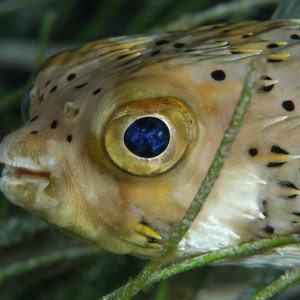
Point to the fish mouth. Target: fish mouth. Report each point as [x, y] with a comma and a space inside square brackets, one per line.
[25, 175]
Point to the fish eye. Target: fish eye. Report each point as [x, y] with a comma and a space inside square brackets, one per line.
[149, 136]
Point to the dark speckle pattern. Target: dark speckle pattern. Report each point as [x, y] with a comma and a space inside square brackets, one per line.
[81, 85]
[97, 91]
[155, 53]
[269, 87]
[295, 36]
[71, 77]
[268, 229]
[218, 75]
[53, 89]
[33, 119]
[272, 45]
[287, 184]
[275, 164]
[54, 124]
[288, 105]
[161, 42]
[253, 152]
[179, 45]
[278, 150]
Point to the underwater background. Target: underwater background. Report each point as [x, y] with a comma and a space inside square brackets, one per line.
[36, 261]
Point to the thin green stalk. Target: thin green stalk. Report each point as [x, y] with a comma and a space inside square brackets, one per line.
[153, 10]
[287, 9]
[104, 13]
[141, 280]
[37, 262]
[9, 6]
[45, 31]
[226, 253]
[18, 229]
[286, 280]
[11, 98]
[162, 291]
[217, 12]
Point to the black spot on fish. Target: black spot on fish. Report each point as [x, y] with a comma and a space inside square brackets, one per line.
[290, 185]
[268, 229]
[288, 105]
[54, 124]
[179, 45]
[97, 91]
[275, 164]
[253, 152]
[161, 42]
[81, 85]
[33, 119]
[218, 75]
[269, 87]
[287, 184]
[278, 150]
[71, 77]
[295, 36]
[155, 53]
[272, 45]
[53, 89]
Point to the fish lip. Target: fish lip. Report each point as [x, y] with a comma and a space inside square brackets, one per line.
[24, 172]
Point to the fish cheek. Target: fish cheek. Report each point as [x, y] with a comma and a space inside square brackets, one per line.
[31, 197]
[155, 198]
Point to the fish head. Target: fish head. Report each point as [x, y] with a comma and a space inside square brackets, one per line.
[110, 157]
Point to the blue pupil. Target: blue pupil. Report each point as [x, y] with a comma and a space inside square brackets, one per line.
[147, 137]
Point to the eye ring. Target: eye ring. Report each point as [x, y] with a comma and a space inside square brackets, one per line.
[168, 110]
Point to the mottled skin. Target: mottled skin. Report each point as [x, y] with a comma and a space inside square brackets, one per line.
[69, 165]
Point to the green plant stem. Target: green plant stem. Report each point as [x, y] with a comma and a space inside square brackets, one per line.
[230, 252]
[162, 291]
[11, 98]
[37, 262]
[18, 229]
[45, 31]
[286, 280]
[226, 253]
[248, 90]
[9, 6]
[217, 12]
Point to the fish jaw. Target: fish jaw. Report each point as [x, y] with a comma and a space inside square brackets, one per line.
[24, 179]
[39, 177]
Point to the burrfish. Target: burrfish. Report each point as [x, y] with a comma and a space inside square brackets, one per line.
[120, 133]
